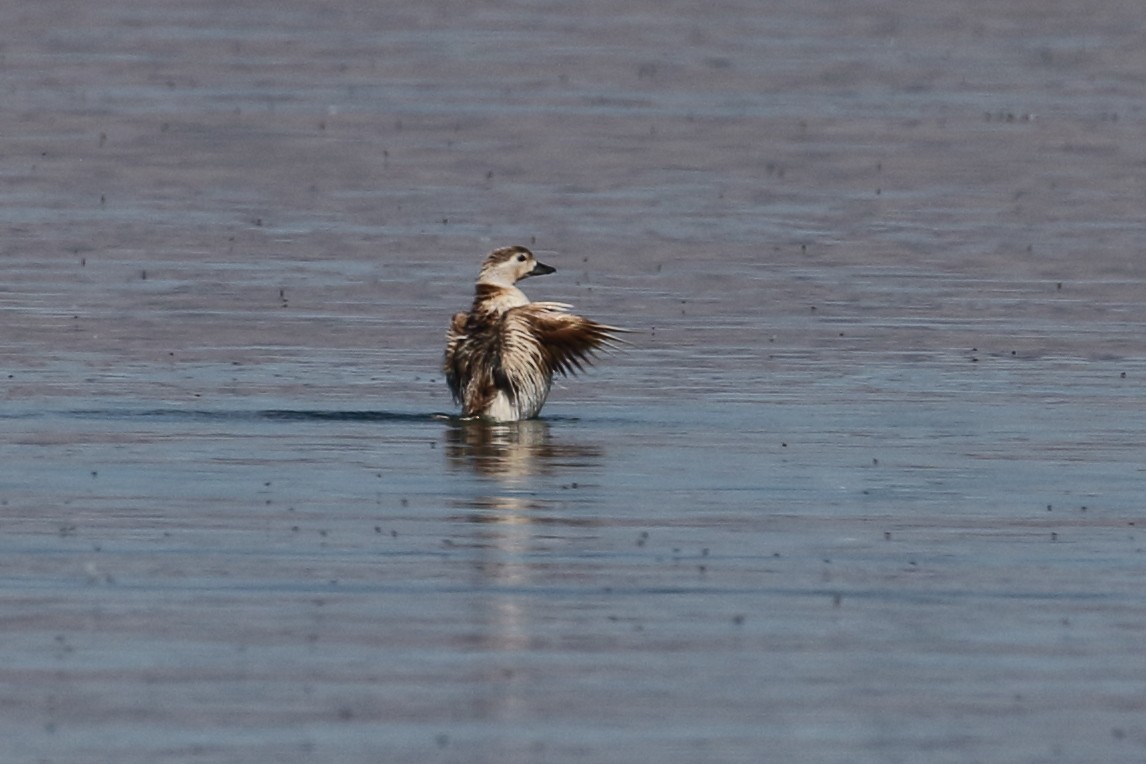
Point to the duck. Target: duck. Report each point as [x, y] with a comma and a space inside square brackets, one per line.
[501, 356]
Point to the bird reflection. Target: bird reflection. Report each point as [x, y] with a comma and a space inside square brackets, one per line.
[517, 532]
[515, 455]
[512, 452]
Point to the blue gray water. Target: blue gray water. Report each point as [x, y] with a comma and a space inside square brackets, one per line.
[867, 485]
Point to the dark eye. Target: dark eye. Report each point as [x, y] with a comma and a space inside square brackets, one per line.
[521, 258]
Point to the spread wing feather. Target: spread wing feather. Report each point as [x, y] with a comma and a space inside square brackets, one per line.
[517, 353]
[549, 338]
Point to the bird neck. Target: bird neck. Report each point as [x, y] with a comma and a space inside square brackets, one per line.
[497, 298]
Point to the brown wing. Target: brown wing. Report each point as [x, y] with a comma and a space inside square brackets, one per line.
[551, 339]
[451, 361]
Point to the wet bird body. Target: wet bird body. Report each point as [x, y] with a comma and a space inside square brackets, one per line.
[501, 356]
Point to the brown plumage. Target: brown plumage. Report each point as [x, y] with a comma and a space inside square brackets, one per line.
[501, 356]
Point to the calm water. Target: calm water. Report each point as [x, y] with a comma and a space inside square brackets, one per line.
[867, 486]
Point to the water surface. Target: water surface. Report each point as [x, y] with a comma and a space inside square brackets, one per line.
[866, 487]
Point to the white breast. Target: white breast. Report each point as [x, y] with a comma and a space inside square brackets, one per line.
[529, 404]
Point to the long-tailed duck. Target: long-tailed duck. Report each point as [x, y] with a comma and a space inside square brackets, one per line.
[501, 356]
